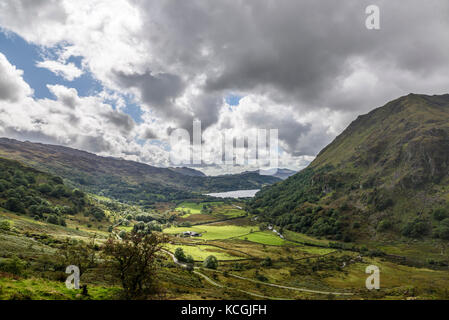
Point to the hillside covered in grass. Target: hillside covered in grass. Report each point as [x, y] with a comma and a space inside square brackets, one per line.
[43, 197]
[126, 181]
[385, 176]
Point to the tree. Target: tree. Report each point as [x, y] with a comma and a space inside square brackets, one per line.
[211, 262]
[133, 262]
[79, 254]
[180, 255]
[267, 262]
[14, 205]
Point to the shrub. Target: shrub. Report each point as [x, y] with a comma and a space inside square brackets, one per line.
[53, 219]
[211, 262]
[14, 266]
[267, 262]
[45, 188]
[5, 225]
[440, 214]
[416, 229]
[14, 205]
[384, 225]
[190, 259]
[180, 255]
[122, 234]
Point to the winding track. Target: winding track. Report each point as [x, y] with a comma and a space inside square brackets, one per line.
[184, 265]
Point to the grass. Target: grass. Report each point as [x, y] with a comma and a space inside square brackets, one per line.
[193, 208]
[264, 237]
[219, 210]
[42, 289]
[299, 237]
[200, 253]
[210, 232]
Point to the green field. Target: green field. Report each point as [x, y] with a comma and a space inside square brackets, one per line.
[40, 289]
[193, 208]
[210, 232]
[265, 237]
[200, 253]
[219, 210]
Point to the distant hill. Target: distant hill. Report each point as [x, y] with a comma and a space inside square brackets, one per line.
[44, 197]
[188, 172]
[385, 176]
[282, 173]
[120, 179]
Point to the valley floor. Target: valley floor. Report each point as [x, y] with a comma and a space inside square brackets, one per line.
[253, 263]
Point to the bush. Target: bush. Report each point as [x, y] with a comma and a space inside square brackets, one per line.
[122, 234]
[211, 262]
[440, 214]
[14, 205]
[442, 231]
[267, 262]
[384, 225]
[53, 219]
[5, 225]
[14, 266]
[190, 259]
[180, 255]
[45, 188]
[416, 229]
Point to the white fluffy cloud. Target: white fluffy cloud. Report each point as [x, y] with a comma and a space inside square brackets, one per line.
[68, 71]
[306, 68]
[12, 86]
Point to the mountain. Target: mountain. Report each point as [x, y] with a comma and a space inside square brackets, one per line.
[188, 171]
[282, 173]
[385, 176]
[44, 197]
[124, 180]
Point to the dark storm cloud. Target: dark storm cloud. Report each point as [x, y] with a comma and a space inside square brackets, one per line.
[297, 53]
[295, 50]
[92, 144]
[289, 130]
[157, 90]
[149, 134]
[120, 120]
[9, 91]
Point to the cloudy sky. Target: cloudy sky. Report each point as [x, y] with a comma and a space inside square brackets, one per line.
[116, 77]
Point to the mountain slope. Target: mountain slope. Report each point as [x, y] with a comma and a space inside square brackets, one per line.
[44, 197]
[188, 171]
[283, 173]
[386, 175]
[122, 179]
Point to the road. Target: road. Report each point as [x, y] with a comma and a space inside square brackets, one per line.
[184, 265]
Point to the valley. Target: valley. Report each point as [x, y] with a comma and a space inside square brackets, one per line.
[253, 261]
[376, 196]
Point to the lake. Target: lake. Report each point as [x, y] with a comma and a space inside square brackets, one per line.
[235, 194]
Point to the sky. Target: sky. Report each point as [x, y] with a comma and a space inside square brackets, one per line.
[117, 77]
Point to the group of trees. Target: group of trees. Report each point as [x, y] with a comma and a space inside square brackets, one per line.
[211, 262]
[45, 197]
[132, 262]
[182, 257]
[147, 228]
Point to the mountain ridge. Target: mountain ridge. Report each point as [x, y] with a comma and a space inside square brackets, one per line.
[122, 179]
[384, 176]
